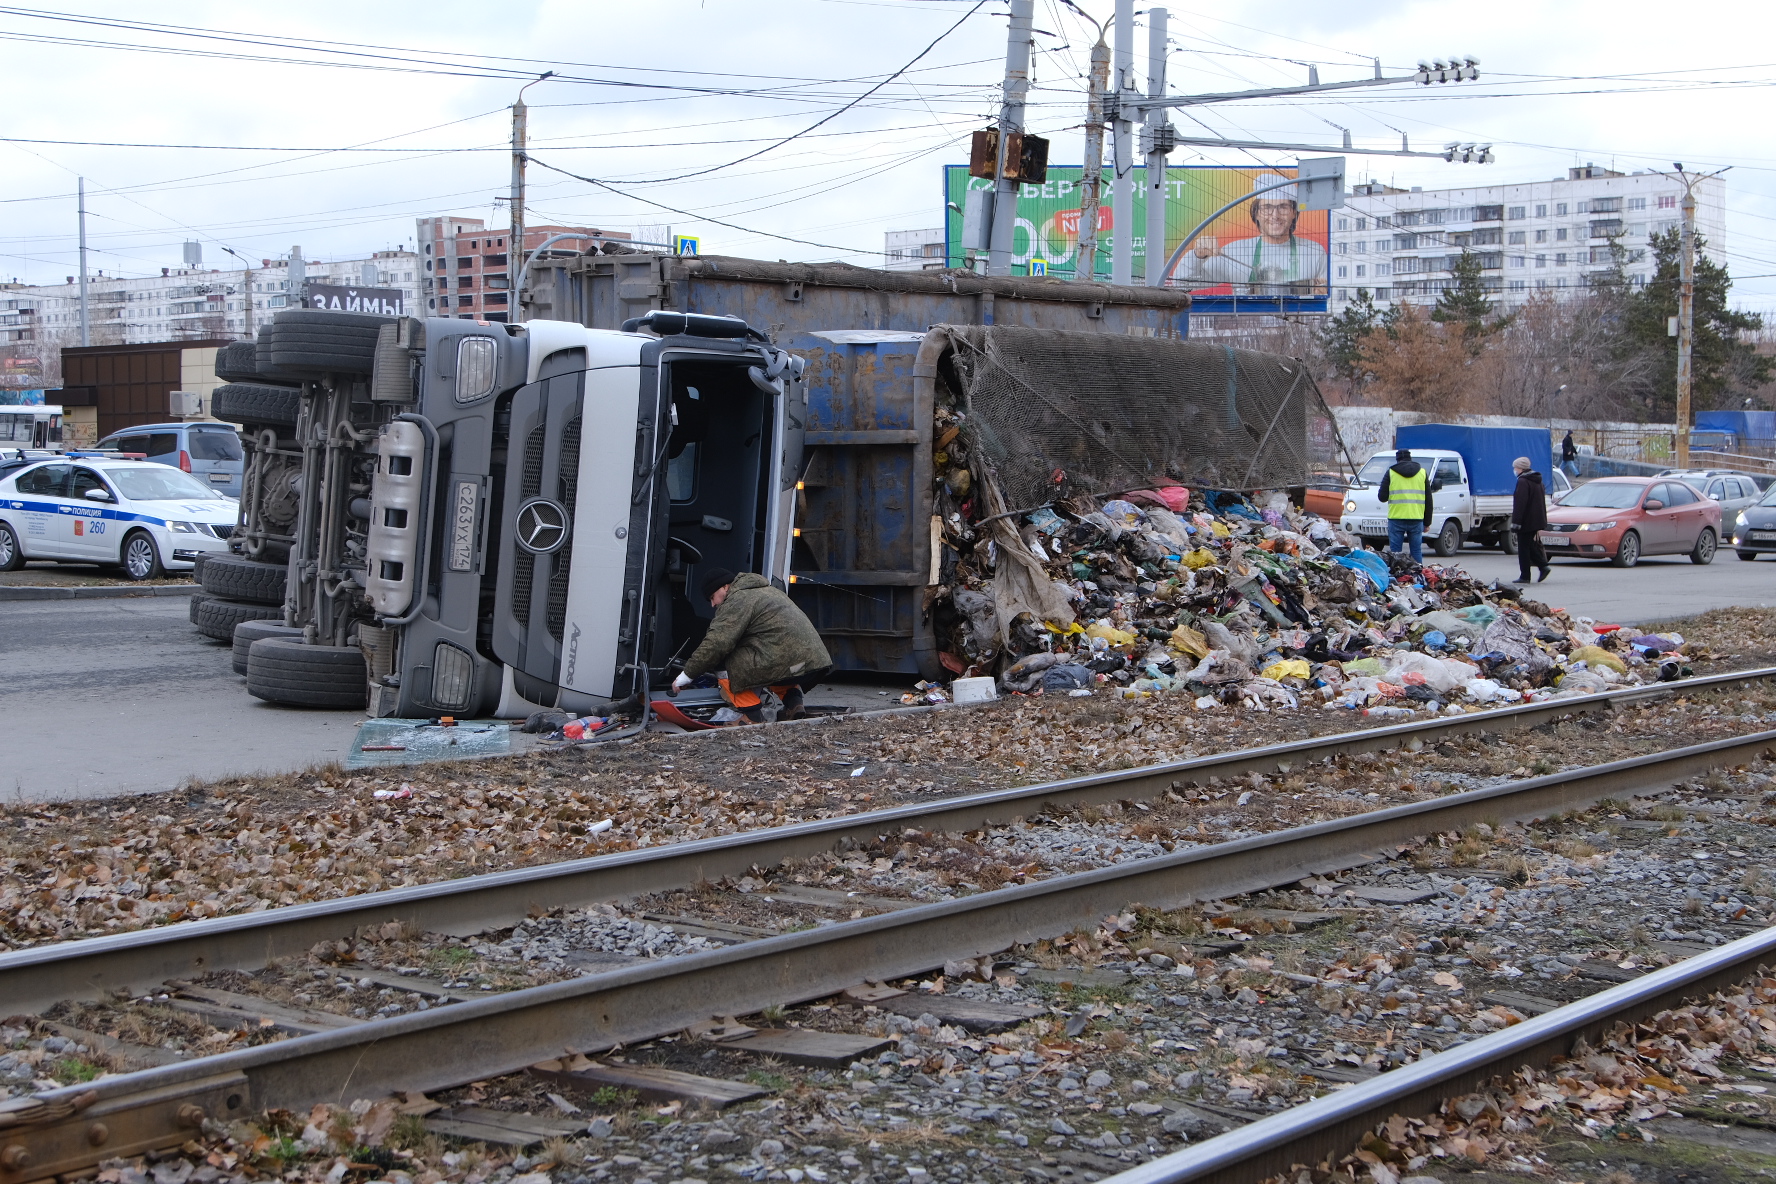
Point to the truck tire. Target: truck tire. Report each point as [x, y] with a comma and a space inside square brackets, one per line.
[1449, 539]
[263, 365]
[1507, 541]
[235, 578]
[238, 361]
[216, 618]
[247, 632]
[311, 339]
[256, 403]
[283, 670]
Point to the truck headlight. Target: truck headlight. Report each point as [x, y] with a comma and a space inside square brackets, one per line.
[1610, 525]
[474, 368]
[1350, 507]
[452, 671]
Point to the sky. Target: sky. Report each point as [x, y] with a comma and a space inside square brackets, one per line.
[257, 127]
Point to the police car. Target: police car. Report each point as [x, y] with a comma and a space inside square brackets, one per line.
[146, 518]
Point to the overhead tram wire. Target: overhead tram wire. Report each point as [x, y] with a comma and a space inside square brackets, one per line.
[319, 45]
[979, 4]
[699, 217]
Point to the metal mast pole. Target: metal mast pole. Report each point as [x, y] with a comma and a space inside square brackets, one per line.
[1686, 320]
[1011, 123]
[1092, 182]
[85, 317]
[1154, 134]
[1122, 194]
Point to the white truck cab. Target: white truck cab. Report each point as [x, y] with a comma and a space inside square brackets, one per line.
[1457, 514]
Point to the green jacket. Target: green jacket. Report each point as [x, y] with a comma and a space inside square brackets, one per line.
[759, 637]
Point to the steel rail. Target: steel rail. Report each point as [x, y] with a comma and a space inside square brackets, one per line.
[37, 977]
[1329, 1127]
[506, 1033]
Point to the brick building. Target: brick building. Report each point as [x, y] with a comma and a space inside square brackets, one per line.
[468, 270]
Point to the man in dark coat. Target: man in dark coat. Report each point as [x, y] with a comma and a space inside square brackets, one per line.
[1529, 517]
[1569, 455]
[762, 641]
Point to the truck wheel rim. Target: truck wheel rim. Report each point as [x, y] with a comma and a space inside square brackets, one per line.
[139, 558]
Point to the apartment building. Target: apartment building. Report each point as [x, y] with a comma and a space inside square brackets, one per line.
[1539, 236]
[179, 304]
[468, 269]
[914, 250]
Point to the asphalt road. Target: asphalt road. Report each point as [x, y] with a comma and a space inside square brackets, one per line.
[1656, 589]
[122, 696]
[104, 697]
[107, 697]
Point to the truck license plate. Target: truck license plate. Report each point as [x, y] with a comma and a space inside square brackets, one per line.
[462, 527]
[1373, 526]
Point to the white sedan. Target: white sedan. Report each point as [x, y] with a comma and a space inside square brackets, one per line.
[145, 518]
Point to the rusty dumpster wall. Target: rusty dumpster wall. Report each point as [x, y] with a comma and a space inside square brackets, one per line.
[863, 562]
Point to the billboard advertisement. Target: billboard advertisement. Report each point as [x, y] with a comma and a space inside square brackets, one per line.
[388, 302]
[1265, 252]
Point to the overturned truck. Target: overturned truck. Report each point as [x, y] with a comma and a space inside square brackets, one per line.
[448, 516]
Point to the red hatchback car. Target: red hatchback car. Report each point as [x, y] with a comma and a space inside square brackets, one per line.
[1623, 518]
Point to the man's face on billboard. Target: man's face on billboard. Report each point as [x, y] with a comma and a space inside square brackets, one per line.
[1276, 219]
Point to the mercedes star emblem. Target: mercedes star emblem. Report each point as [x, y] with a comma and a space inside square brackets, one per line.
[542, 526]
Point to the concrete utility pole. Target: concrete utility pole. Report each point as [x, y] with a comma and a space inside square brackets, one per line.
[1686, 322]
[1092, 182]
[85, 316]
[1122, 149]
[1156, 142]
[1686, 308]
[297, 279]
[520, 137]
[1011, 125]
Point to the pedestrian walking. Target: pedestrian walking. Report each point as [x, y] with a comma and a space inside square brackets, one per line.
[1569, 455]
[1529, 517]
[1406, 488]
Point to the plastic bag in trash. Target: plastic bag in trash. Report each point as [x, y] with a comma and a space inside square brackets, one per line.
[1287, 668]
[1198, 559]
[1581, 682]
[1363, 668]
[1124, 513]
[1439, 673]
[1369, 564]
[1452, 624]
[1478, 614]
[1166, 497]
[1026, 673]
[1186, 640]
[1514, 637]
[1595, 656]
[1222, 638]
[1659, 642]
[1434, 640]
[1066, 676]
[1484, 690]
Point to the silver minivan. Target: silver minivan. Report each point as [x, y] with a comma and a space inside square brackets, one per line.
[211, 452]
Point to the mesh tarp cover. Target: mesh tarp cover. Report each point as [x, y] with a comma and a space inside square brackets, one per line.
[1115, 413]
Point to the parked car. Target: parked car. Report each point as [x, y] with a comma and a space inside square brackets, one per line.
[1753, 529]
[145, 518]
[1733, 490]
[1624, 518]
[211, 452]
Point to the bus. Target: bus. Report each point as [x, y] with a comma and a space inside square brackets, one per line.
[27, 425]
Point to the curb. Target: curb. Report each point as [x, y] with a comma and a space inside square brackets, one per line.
[45, 592]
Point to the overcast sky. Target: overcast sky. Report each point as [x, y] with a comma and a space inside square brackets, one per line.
[656, 90]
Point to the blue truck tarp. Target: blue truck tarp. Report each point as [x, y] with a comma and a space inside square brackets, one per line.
[1748, 426]
[1487, 451]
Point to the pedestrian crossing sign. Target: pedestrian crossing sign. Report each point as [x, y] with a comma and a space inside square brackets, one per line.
[1038, 266]
[684, 244]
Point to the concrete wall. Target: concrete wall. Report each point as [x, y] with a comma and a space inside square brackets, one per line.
[1368, 430]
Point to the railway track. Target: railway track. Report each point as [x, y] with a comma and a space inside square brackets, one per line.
[59, 1131]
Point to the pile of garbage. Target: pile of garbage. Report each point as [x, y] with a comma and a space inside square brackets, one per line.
[1236, 600]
